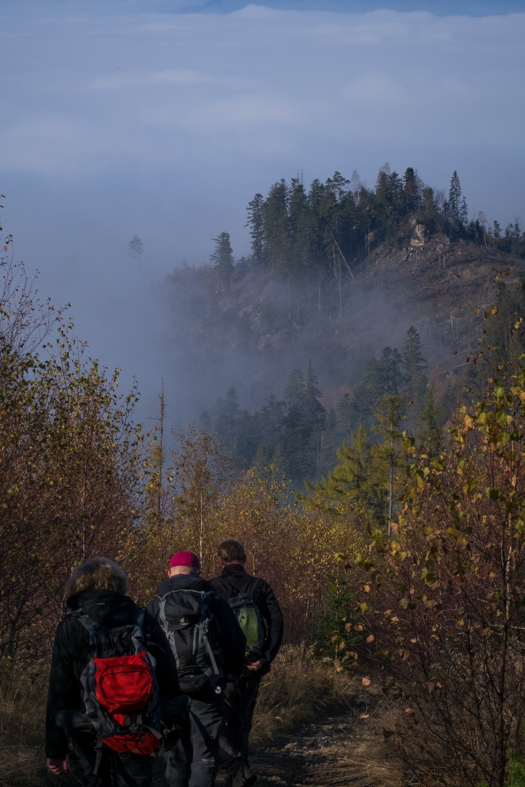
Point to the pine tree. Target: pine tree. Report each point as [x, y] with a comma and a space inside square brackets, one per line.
[463, 211]
[222, 257]
[299, 225]
[349, 477]
[356, 479]
[457, 205]
[136, 248]
[344, 418]
[429, 420]
[390, 455]
[226, 417]
[386, 375]
[305, 415]
[414, 365]
[256, 224]
[411, 190]
[317, 221]
[294, 392]
[389, 203]
[429, 206]
[314, 410]
[276, 226]
[329, 441]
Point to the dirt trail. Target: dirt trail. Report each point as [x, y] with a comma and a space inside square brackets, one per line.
[314, 754]
[308, 756]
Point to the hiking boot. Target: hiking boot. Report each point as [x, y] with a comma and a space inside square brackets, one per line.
[244, 778]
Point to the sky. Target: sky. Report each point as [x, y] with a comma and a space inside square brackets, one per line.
[164, 118]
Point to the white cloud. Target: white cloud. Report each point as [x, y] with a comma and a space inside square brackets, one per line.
[145, 79]
[376, 88]
[87, 90]
[256, 13]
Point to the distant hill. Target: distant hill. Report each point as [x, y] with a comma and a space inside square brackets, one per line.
[336, 275]
[253, 334]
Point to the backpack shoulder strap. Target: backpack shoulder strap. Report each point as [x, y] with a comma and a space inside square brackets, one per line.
[225, 585]
[139, 616]
[86, 621]
[91, 628]
[254, 588]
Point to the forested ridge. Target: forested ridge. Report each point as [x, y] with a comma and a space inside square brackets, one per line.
[350, 294]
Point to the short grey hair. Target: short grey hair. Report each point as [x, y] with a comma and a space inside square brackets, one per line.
[99, 573]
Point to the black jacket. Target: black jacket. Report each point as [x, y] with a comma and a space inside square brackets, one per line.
[236, 576]
[71, 653]
[231, 639]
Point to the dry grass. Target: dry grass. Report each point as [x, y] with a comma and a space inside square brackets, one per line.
[365, 758]
[298, 689]
[23, 704]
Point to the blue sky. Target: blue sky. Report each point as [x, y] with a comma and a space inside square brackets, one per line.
[163, 119]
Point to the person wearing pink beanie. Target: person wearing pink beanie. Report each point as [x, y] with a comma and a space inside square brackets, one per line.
[208, 644]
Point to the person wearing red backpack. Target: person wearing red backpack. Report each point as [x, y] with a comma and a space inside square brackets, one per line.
[114, 697]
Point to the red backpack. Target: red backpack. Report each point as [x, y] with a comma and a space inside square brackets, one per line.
[120, 691]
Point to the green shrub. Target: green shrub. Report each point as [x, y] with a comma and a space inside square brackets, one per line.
[335, 621]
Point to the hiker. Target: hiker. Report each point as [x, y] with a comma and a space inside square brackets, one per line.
[113, 688]
[261, 619]
[207, 642]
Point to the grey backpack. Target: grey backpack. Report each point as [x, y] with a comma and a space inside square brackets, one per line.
[192, 631]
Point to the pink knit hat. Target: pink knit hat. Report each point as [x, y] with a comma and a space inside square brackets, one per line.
[185, 558]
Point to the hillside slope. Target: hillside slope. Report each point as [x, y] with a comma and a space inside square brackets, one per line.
[251, 332]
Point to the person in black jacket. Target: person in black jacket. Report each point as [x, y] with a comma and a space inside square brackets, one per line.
[97, 588]
[240, 696]
[197, 765]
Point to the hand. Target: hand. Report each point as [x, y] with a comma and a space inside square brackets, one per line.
[56, 765]
[254, 666]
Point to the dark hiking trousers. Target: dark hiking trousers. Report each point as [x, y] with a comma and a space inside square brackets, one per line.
[195, 760]
[115, 770]
[239, 706]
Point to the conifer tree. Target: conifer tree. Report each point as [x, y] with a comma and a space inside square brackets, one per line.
[299, 225]
[389, 203]
[349, 477]
[344, 418]
[271, 418]
[457, 205]
[226, 417]
[276, 226]
[256, 224]
[384, 377]
[222, 257]
[314, 410]
[356, 479]
[136, 248]
[390, 455]
[301, 443]
[411, 189]
[429, 206]
[414, 365]
[429, 420]
[294, 392]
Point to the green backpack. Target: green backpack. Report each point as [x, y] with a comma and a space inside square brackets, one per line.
[247, 610]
